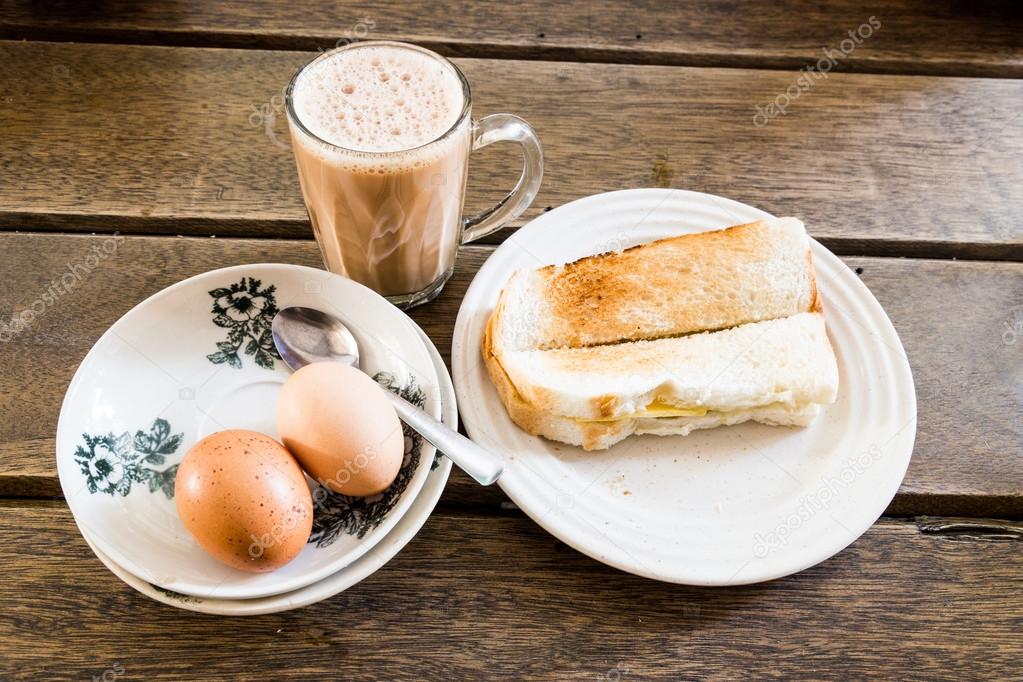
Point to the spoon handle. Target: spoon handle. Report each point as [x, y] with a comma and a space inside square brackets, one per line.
[480, 464]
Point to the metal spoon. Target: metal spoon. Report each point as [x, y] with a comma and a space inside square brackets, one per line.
[305, 335]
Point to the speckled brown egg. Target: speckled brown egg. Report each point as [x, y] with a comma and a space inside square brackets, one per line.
[341, 427]
[243, 497]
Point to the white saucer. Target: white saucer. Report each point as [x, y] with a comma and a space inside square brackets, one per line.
[380, 554]
[726, 506]
[197, 358]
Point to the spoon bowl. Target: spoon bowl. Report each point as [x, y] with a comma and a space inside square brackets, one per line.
[306, 335]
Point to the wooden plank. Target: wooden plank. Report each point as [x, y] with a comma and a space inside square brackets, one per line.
[951, 316]
[954, 320]
[938, 37]
[175, 140]
[482, 596]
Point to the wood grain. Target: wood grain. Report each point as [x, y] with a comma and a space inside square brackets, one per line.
[951, 316]
[192, 141]
[476, 597]
[916, 36]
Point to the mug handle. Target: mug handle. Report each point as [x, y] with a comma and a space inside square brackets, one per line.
[510, 128]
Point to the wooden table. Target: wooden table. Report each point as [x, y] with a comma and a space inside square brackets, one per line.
[162, 121]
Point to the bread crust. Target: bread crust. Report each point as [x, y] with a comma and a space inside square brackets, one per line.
[816, 305]
[535, 421]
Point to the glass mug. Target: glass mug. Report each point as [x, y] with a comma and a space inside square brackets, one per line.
[386, 216]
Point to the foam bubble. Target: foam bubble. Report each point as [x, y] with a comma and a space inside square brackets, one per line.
[378, 98]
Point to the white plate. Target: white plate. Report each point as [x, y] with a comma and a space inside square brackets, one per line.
[360, 569]
[160, 379]
[726, 506]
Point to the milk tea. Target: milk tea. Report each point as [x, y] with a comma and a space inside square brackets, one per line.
[382, 149]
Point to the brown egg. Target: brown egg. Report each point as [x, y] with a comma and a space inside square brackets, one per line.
[341, 427]
[244, 499]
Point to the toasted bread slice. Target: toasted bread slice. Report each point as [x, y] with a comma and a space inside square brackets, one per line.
[775, 372]
[692, 283]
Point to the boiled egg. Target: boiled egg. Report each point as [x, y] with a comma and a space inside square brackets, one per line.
[342, 429]
[244, 499]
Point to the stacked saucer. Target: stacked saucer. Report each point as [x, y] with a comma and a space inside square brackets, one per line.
[197, 358]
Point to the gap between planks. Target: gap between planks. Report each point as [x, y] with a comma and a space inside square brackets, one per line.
[453, 49]
[965, 528]
[71, 226]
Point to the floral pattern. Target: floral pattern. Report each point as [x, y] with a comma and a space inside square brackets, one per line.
[334, 514]
[112, 464]
[245, 309]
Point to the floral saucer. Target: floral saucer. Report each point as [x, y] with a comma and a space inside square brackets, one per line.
[358, 570]
[197, 358]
